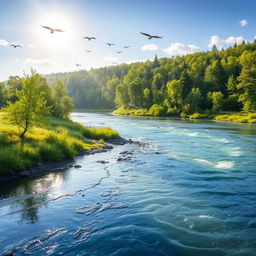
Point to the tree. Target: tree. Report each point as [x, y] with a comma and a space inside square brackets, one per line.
[175, 89]
[217, 101]
[3, 94]
[146, 98]
[214, 48]
[62, 103]
[247, 81]
[30, 106]
[215, 76]
[135, 89]
[193, 101]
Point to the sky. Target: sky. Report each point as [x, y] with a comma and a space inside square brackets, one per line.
[186, 26]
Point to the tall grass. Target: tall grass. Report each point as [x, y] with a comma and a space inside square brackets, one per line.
[55, 140]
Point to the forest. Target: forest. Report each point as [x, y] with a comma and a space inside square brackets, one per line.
[204, 82]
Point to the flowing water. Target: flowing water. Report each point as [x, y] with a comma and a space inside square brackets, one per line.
[190, 190]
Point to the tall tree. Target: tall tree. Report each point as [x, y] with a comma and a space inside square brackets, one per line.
[247, 81]
[30, 106]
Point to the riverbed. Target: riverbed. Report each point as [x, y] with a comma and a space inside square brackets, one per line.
[187, 190]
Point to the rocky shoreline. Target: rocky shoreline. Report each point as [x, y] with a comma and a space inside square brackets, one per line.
[65, 163]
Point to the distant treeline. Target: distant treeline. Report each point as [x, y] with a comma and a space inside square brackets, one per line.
[211, 81]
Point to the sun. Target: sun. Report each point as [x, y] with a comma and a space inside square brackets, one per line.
[57, 20]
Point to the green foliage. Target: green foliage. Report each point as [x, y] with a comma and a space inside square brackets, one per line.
[169, 82]
[30, 106]
[238, 117]
[217, 99]
[62, 104]
[157, 110]
[247, 81]
[57, 139]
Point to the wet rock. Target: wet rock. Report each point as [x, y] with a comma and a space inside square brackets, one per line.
[106, 146]
[102, 162]
[126, 153]
[77, 166]
[157, 153]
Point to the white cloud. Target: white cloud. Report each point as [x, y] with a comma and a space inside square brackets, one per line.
[215, 40]
[219, 42]
[134, 61]
[243, 23]
[180, 49]
[31, 45]
[35, 62]
[233, 40]
[3, 42]
[149, 47]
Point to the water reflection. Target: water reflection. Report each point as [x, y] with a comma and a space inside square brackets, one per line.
[27, 196]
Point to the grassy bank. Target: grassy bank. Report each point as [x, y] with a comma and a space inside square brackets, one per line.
[55, 140]
[231, 117]
[91, 110]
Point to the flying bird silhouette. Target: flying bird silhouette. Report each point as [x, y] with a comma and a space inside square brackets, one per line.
[15, 45]
[89, 38]
[78, 65]
[119, 51]
[127, 46]
[150, 36]
[52, 30]
[110, 44]
[88, 51]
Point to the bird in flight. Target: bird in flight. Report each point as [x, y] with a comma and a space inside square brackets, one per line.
[150, 36]
[15, 45]
[89, 38]
[127, 46]
[110, 44]
[78, 65]
[119, 51]
[88, 51]
[52, 30]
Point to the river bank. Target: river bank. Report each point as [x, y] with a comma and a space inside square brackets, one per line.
[63, 164]
[248, 118]
[50, 142]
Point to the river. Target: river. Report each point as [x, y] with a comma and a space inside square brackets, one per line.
[189, 191]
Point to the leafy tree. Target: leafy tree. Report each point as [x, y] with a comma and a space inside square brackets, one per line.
[62, 103]
[175, 89]
[3, 94]
[30, 106]
[193, 101]
[247, 81]
[215, 76]
[217, 100]
[146, 98]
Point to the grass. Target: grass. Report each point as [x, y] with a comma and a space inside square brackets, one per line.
[93, 110]
[232, 117]
[238, 117]
[53, 141]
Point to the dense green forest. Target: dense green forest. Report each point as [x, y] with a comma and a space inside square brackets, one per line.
[203, 82]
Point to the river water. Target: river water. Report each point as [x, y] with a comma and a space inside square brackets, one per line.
[189, 191]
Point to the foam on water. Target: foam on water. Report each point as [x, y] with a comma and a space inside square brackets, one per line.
[224, 165]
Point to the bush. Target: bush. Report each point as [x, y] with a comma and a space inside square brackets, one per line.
[157, 110]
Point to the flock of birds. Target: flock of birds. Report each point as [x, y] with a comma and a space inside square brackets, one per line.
[53, 30]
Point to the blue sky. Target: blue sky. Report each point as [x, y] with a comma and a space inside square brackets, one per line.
[185, 25]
